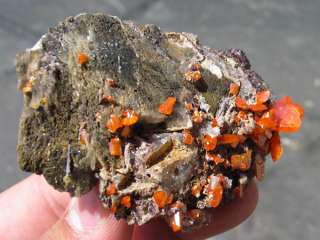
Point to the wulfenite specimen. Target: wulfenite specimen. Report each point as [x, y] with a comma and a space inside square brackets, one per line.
[166, 126]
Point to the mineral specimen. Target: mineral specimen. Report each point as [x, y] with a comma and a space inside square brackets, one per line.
[166, 127]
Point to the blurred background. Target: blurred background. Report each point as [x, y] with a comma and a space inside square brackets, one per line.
[282, 41]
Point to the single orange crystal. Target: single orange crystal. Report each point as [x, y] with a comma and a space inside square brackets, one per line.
[242, 104]
[167, 107]
[229, 139]
[187, 137]
[216, 195]
[241, 161]
[115, 147]
[126, 201]
[263, 96]
[161, 198]
[114, 123]
[197, 117]
[234, 89]
[82, 58]
[130, 117]
[276, 148]
[209, 143]
[176, 222]
[267, 120]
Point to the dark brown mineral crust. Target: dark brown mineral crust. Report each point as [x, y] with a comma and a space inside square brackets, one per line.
[166, 126]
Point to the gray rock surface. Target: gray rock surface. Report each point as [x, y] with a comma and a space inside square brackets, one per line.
[281, 39]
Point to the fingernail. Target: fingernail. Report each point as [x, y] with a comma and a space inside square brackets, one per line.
[86, 212]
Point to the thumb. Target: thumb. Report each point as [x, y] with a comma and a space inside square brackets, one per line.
[85, 218]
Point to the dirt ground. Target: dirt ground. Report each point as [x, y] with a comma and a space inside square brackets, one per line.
[282, 40]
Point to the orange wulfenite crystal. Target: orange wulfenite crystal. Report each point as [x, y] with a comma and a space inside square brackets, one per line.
[176, 222]
[216, 198]
[126, 201]
[115, 147]
[229, 139]
[167, 107]
[284, 116]
[267, 120]
[241, 161]
[130, 117]
[82, 58]
[234, 89]
[161, 198]
[114, 123]
[187, 137]
[209, 143]
[242, 104]
[111, 189]
[258, 107]
[263, 96]
[288, 115]
[276, 147]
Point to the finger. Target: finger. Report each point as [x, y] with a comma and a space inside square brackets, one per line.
[86, 218]
[223, 219]
[32, 206]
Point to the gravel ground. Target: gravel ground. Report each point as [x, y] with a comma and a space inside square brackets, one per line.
[281, 39]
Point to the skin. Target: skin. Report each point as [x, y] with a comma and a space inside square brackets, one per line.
[32, 209]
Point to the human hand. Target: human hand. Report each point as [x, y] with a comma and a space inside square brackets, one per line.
[32, 209]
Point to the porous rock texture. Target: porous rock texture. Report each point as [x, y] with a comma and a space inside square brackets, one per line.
[147, 161]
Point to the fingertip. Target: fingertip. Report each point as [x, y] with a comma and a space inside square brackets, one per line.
[33, 205]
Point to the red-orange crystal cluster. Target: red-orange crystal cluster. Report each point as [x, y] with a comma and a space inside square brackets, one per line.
[115, 123]
[270, 118]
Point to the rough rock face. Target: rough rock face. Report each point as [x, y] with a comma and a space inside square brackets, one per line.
[166, 126]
